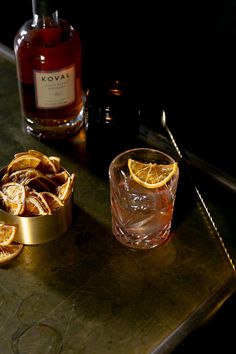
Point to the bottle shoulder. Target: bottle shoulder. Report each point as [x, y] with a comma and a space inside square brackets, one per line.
[27, 26]
[39, 35]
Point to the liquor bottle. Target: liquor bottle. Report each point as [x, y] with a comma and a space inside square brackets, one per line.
[48, 61]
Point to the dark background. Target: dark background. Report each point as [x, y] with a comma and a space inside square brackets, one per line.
[180, 56]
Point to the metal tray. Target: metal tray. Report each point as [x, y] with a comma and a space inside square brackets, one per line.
[83, 292]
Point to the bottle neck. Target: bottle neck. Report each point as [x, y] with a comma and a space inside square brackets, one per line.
[44, 11]
[44, 7]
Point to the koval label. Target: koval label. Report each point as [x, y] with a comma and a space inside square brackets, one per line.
[54, 89]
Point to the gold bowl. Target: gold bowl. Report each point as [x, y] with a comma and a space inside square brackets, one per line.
[33, 230]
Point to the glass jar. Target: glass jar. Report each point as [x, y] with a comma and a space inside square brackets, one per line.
[112, 122]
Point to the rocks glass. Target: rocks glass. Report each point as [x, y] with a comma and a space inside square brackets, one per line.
[141, 216]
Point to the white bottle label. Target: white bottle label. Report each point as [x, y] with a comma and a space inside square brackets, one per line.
[54, 89]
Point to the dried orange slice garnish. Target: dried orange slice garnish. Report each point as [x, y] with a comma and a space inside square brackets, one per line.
[7, 234]
[9, 252]
[151, 175]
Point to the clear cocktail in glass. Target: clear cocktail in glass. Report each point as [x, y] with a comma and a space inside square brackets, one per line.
[141, 216]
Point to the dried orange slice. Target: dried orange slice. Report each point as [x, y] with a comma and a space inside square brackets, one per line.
[65, 190]
[33, 178]
[14, 191]
[22, 162]
[41, 183]
[22, 176]
[41, 200]
[10, 206]
[151, 175]
[56, 161]
[9, 252]
[35, 204]
[5, 178]
[2, 199]
[60, 177]
[53, 201]
[7, 234]
[14, 197]
[47, 164]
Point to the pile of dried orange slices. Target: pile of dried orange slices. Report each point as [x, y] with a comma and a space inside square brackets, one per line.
[34, 184]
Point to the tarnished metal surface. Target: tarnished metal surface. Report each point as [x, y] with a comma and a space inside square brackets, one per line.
[86, 293]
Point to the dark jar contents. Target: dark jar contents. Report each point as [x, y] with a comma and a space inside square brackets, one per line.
[112, 123]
